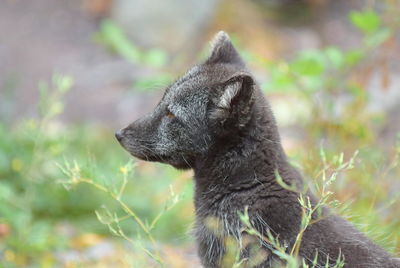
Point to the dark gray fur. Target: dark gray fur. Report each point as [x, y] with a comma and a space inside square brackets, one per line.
[215, 120]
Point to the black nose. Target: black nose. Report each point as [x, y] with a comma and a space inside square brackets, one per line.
[119, 135]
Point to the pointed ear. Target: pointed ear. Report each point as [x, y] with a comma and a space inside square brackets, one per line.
[223, 50]
[236, 97]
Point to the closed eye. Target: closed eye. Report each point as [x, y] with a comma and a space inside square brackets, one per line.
[170, 115]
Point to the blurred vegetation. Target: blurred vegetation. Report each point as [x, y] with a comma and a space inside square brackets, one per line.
[34, 204]
[331, 82]
[66, 187]
[113, 38]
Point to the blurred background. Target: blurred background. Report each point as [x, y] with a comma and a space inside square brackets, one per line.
[74, 71]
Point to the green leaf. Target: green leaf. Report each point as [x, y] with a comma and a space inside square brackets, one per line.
[155, 57]
[335, 56]
[353, 57]
[104, 215]
[112, 36]
[367, 21]
[63, 83]
[378, 37]
[6, 191]
[280, 79]
[39, 235]
[309, 63]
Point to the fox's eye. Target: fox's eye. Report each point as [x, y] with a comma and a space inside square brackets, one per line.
[169, 114]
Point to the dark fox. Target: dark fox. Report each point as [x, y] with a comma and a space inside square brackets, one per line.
[216, 121]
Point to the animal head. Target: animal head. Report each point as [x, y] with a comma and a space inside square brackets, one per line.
[212, 102]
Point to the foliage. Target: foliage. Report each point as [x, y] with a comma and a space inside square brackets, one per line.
[26, 164]
[111, 219]
[113, 38]
[116, 40]
[330, 82]
[135, 201]
[33, 203]
[310, 215]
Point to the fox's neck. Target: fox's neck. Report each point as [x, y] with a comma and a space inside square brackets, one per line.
[257, 156]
